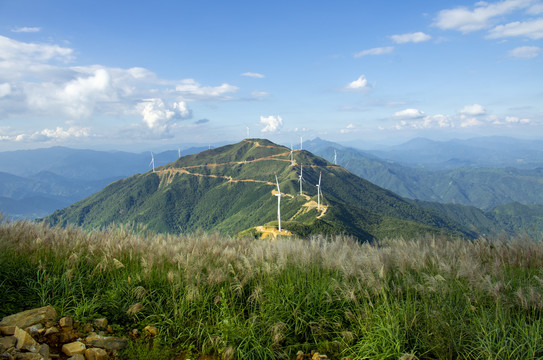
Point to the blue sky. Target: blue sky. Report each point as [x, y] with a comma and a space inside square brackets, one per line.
[139, 75]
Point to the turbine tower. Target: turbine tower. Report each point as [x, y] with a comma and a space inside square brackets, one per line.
[335, 157]
[278, 202]
[178, 153]
[319, 193]
[247, 132]
[152, 163]
[301, 177]
[291, 155]
[301, 142]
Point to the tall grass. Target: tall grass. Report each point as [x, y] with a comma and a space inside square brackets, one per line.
[427, 298]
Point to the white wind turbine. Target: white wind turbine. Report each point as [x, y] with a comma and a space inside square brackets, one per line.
[178, 153]
[335, 157]
[152, 163]
[278, 202]
[291, 155]
[301, 177]
[247, 132]
[301, 142]
[319, 192]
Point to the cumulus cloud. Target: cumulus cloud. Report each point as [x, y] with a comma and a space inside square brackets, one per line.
[272, 123]
[59, 133]
[472, 110]
[466, 20]
[516, 120]
[375, 51]
[409, 114]
[415, 37]
[426, 122]
[360, 84]
[348, 129]
[532, 29]
[5, 89]
[525, 52]
[471, 122]
[253, 75]
[158, 116]
[26, 29]
[192, 90]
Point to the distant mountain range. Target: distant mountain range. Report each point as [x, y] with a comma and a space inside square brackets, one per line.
[484, 188]
[231, 189]
[34, 183]
[488, 152]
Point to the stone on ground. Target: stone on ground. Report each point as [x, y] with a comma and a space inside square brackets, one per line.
[30, 317]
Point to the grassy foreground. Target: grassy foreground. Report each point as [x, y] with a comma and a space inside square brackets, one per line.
[428, 298]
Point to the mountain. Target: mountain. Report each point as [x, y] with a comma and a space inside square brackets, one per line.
[484, 188]
[490, 152]
[231, 189]
[34, 183]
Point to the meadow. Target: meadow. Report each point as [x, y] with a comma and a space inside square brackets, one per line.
[239, 298]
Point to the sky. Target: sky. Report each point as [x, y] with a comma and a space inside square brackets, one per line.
[139, 75]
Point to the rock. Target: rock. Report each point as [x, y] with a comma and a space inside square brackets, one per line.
[71, 349]
[28, 356]
[44, 351]
[25, 341]
[34, 329]
[51, 331]
[96, 354]
[107, 342]
[66, 322]
[7, 330]
[87, 328]
[7, 343]
[109, 329]
[6, 356]
[77, 357]
[151, 330]
[30, 317]
[100, 323]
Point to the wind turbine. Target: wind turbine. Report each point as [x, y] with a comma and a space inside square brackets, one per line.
[152, 163]
[301, 142]
[335, 157]
[178, 153]
[278, 202]
[301, 177]
[291, 155]
[247, 132]
[319, 192]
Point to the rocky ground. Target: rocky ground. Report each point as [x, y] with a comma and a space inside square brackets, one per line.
[38, 334]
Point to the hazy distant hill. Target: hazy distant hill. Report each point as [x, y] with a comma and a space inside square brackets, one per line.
[484, 188]
[34, 183]
[231, 189]
[496, 152]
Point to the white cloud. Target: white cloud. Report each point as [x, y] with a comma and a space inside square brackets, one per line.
[26, 29]
[439, 121]
[272, 123]
[415, 37]
[473, 110]
[158, 116]
[360, 84]
[409, 114]
[471, 122]
[532, 29]
[375, 51]
[525, 52]
[465, 20]
[12, 50]
[516, 120]
[5, 89]
[259, 94]
[192, 90]
[59, 133]
[348, 129]
[253, 75]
